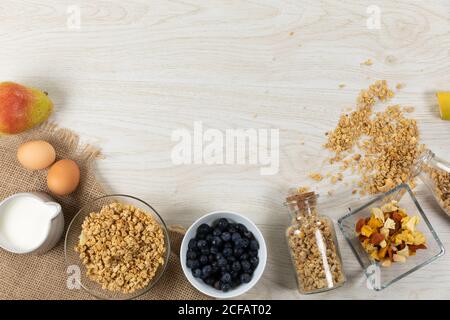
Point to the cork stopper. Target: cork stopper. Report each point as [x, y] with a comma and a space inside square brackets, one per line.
[302, 202]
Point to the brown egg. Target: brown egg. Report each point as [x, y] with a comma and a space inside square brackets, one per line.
[35, 155]
[63, 177]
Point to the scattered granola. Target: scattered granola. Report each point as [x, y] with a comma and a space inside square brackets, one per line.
[316, 176]
[303, 189]
[389, 234]
[121, 247]
[387, 140]
[368, 62]
[311, 241]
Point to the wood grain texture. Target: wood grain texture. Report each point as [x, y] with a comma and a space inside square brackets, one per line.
[137, 70]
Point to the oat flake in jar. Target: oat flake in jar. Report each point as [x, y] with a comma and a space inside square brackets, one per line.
[313, 246]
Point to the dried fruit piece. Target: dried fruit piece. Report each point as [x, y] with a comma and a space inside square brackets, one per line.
[376, 238]
[366, 231]
[361, 222]
[382, 253]
[399, 258]
[396, 216]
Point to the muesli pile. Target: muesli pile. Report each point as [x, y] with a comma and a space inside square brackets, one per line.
[389, 234]
[121, 247]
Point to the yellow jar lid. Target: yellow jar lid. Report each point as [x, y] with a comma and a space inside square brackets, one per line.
[444, 104]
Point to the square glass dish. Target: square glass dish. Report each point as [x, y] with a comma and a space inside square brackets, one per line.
[381, 277]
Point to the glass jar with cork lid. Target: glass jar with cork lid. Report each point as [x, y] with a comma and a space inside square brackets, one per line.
[313, 246]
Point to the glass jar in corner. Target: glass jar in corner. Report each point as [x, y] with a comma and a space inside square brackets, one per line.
[313, 246]
[435, 174]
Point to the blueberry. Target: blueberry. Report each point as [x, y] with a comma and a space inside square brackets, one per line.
[211, 258]
[241, 243]
[217, 232]
[235, 275]
[197, 273]
[226, 236]
[225, 268]
[248, 235]
[209, 238]
[226, 277]
[222, 224]
[217, 241]
[231, 228]
[227, 252]
[214, 250]
[203, 260]
[241, 228]
[245, 278]
[228, 245]
[217, 285]
[203, 229]
[236, 282]
[253, 253]
[191, 254]
[246, 265]
[238, 252]
[205, 251]
[215, 267]
[254, 261]
[218, 256]
[225, 287]
[210, 281]
[195, 264]
[254, 245]
[222, 262]
[235, 236]
[206, 271]
[244, 256]
[201, 244]
[245, 243]
[192, 244]
[200, 236]
[236, 266]
[231, 259]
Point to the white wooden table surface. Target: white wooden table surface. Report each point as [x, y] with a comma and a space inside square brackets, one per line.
[135, 71]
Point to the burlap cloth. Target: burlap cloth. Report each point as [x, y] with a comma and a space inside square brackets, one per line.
[45, 277]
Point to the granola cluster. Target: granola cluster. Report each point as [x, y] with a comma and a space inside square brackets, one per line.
[387, 142]
[389, 234]
[121, 247]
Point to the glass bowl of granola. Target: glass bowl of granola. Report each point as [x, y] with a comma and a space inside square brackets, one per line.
[391, 237]
[116, 248]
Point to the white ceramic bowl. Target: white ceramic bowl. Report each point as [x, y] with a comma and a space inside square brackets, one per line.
[233, 217]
